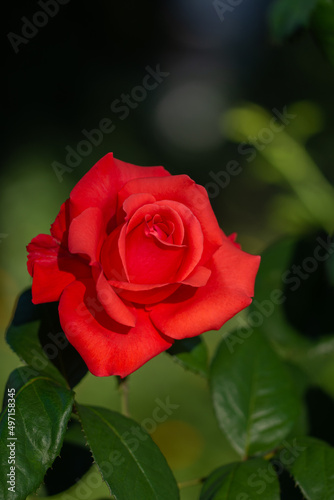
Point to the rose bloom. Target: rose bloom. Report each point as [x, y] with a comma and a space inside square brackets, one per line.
[137, 260]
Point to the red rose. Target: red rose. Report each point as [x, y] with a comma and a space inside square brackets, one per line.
[136, 259]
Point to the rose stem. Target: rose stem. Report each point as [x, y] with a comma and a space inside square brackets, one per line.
[124, 391]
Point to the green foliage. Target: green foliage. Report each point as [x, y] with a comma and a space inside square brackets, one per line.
[35, 335]
[286, 16]
[293, 293]
[253, 394]
[242, 480]
[36, 422]
[323, 27]
[24, 341]
[192, 354]
[126, 456]
[313, 469]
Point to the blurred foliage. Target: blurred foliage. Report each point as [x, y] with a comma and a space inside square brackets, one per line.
[300, 326]
[286, 16]
[287, 157]
[322, 24]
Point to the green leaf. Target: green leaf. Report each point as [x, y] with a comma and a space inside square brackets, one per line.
[313, 468]
[42, 410]
[73, 463]
[54, 342]
[127, 457]
[242, 481]
[25, 311]
[24, 341]
[35, 335]
[17, 379]
[323, 26]
[286, 16]
[192, 354]
[253, 396]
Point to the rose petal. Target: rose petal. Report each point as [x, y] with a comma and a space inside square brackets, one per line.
[112, 304]
[59, 228]
[150, 293]
[86, 232]
[52, 268]
[149, 260]
[110, 258]
[146, 293]
[132, 204]
[193, 238]
[100, 186]
[199, 277]
[107, 347]
[190, 311]
[166, 212]
[232, 237]
[182, 189]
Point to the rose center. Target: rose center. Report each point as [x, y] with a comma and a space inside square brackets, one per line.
[158, 227]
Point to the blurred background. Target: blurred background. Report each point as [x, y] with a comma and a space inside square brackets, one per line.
[186, 85]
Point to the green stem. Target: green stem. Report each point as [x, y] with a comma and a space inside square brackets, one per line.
[124, 392]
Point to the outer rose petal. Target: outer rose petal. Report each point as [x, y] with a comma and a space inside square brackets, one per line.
[110, 257]
[86, 232]
[150, 293]
[190, 312]
[59, 228]
[232, 237]
[100, 186]
[143, 293]
[52, 268]
[111, 302]
[107, 347]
